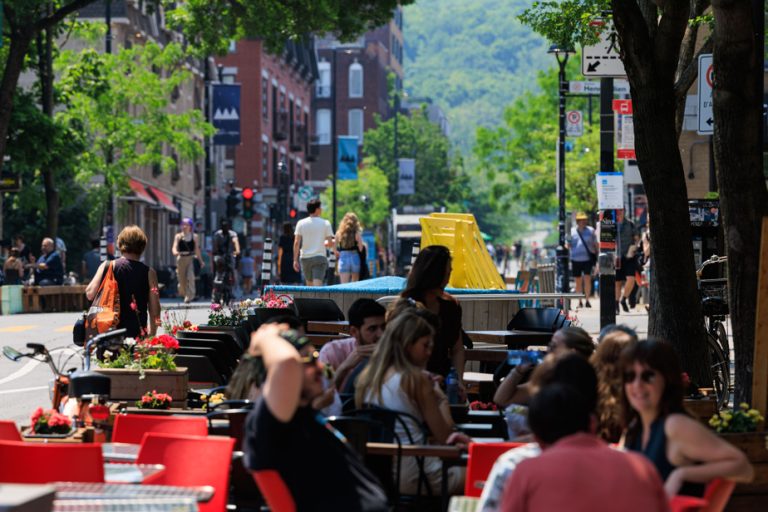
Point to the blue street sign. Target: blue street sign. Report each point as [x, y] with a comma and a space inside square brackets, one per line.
[226, 114]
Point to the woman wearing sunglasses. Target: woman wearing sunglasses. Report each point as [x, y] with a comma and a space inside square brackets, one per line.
[686, 453]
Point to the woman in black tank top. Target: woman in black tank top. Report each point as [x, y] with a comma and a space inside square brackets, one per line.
[136, 284]
[186, 248]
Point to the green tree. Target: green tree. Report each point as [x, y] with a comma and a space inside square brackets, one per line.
[120, 104]
[657, 48]
[519, 157]
[366, 196]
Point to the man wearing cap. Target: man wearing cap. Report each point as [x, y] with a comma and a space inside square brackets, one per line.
[583, 256]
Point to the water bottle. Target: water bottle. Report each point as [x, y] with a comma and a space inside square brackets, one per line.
[517, 357]
[452, 386]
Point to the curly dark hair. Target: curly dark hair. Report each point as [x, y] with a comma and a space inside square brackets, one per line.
[605, 360]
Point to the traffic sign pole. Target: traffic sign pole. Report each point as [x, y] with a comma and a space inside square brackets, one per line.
[607, 258]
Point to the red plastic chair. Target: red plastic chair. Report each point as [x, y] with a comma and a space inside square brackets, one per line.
[190, 461]
[274, 490]
[482, 457]
[41, 463]
[716, 496]
[130, 428]
[9, 431]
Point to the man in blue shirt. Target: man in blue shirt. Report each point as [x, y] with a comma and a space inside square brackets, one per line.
[584, 252]
[49, 270]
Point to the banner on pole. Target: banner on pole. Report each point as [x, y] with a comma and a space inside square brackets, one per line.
[610, 191]
[406, 179]
[226, 114]
[346, 168]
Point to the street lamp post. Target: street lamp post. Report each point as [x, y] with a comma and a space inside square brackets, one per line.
[563, 278]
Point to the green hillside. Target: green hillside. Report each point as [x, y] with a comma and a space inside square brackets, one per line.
[472, 58]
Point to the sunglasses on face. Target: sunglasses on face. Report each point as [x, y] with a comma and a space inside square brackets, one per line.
[647, 376]
[311, 358]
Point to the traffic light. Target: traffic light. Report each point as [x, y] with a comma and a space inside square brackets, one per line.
[292, 213]
[247, 203]
[233, 204]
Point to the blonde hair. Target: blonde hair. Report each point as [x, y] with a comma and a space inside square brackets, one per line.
[349, 227]
[402, 332]
[605, 360]
[132, 240]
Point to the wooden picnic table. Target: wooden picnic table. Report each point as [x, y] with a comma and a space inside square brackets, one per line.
[515, 339]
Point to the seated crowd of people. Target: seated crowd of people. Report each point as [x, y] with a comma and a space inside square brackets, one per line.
[603, 422]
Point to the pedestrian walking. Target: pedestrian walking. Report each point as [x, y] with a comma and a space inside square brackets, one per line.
[186, 248]
[246, 272]
[349, 245]
[583, 247]
[625, 252]
[286, 271]
[311, 236]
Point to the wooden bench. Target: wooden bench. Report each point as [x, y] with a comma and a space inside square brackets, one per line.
[57, 298]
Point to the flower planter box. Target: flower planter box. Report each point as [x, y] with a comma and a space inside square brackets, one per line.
[701, 408]
[127, 386]
[752, 496]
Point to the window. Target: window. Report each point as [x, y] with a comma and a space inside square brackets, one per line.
[264, 162]
[356, 80]
[323, 126]
[356, 127]
[264, 98]
[323, 85]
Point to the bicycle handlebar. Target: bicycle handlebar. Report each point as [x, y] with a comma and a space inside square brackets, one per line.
[98, 340]
[714, 259]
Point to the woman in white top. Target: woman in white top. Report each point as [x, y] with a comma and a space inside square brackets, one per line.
[396, 379]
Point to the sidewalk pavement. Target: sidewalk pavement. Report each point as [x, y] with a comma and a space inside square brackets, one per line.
[589, 318]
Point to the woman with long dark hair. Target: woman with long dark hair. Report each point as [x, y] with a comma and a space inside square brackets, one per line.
[285, 257]
[426, 284]
[684, 451]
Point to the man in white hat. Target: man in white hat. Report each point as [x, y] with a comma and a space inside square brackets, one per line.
[584, 250]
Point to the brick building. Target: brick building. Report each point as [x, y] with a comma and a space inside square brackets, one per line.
[352, 87]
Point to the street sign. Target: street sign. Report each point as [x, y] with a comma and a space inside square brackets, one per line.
[706, 118]
[602, 59]
[574, 123]
[9, 182]
[610, 190]
[625, 130]
[585, 87]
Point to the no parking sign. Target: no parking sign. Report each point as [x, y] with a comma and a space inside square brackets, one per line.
[574, 123]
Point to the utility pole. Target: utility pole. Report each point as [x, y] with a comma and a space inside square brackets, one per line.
[334, 136]
[607, 258]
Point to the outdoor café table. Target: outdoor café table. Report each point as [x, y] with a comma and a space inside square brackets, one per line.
[328, 326]
[122, 473]
[511, 339]
[127, 505]
[120, 452]
[96, 491]
[448, 454]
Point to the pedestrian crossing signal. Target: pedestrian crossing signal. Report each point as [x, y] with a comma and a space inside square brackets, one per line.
[247, 203]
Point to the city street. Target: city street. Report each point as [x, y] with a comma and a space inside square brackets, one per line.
[24, 384]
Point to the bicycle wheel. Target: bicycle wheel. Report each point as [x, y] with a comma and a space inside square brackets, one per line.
[721, 376]
[68, 359]
[722, 338]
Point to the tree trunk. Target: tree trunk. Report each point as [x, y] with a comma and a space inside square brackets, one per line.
[650, 54]
[20, 42]
[737, 97]
[45, 75]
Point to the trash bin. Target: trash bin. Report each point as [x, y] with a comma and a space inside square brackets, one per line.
[10, 297]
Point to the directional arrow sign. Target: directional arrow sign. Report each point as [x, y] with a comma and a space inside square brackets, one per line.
[706, 119]
[602, 59]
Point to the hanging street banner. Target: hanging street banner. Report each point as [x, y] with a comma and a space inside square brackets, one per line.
[225, 114]
[625, 130]
[610, 190]
[406, 179]
[574, 123]
[602, 59]
[706, 124]
[346, 168]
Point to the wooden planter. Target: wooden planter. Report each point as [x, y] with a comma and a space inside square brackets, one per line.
[701, 409]
[127, 386]
[752, 496]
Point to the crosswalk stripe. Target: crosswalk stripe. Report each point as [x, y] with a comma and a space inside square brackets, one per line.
[18, 328]
[66, 328]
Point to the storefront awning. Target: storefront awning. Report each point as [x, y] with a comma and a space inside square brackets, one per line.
[164, 200]
[140, 192]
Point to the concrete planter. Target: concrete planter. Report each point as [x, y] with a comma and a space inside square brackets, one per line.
[127, 386]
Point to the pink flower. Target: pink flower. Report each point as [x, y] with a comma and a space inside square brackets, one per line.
[215, 306]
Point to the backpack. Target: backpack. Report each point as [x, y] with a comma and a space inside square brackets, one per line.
[104, 313]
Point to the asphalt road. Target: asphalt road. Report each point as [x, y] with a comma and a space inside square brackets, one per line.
[24, 385]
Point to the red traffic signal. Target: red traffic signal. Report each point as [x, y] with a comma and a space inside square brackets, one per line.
[292, 213]
[247, 193]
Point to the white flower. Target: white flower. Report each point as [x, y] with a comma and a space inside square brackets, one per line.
[129, 342]
[108, 354]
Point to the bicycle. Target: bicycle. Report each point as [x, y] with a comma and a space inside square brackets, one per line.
[714, 302]
[63, 358]
[223, 280]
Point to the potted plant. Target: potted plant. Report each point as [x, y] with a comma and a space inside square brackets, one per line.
[269, 305]
[154, 400]
[172, 323]
[49, 423]
[145, 365]
[227, 318]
